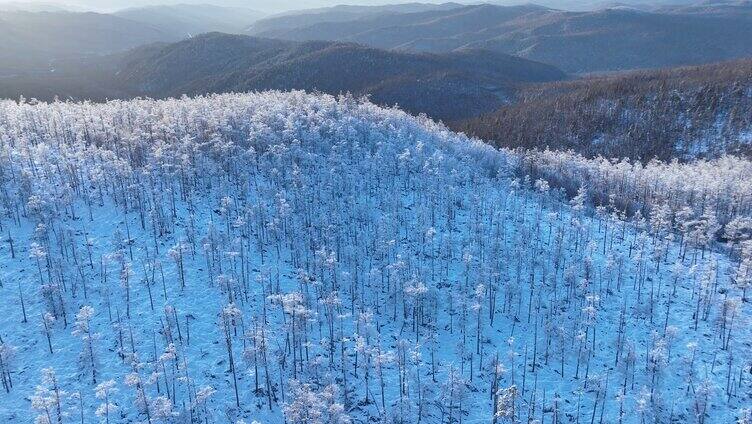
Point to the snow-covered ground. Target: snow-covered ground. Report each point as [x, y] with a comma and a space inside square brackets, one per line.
[299, 258]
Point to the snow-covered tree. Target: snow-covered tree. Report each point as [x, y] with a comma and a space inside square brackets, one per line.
[82, 329]
[104, 392]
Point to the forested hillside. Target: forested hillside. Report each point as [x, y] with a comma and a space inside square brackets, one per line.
[449, 86]
[684, 113]
[285, 256]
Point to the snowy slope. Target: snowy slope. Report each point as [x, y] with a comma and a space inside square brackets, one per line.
[298, 257]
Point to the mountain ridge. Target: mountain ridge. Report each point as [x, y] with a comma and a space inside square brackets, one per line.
[607, 39]
[446, 86]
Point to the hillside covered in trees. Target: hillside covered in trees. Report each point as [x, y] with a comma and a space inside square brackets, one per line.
[286, 257]
[451, 86]
[684, 113]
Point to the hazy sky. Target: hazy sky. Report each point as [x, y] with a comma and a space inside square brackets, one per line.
[264, 5]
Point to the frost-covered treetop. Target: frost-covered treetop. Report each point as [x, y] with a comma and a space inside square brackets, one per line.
[146, 133]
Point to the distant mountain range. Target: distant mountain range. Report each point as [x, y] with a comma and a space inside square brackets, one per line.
[34, 42]
[446, 86]
[612, 39]
[686, 113]
[579, 42]
[589, 5]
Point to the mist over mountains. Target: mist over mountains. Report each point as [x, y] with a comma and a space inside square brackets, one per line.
[33, 41]
[109, 6]
[187, 20]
